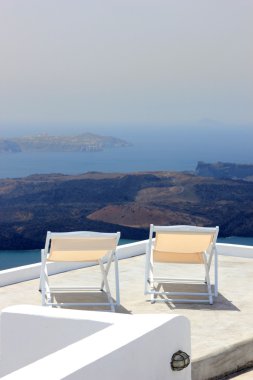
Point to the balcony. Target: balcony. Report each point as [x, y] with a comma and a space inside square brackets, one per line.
[221, 334]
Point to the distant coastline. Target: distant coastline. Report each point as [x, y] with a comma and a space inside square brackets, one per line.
[225, 170]
[86, 142]
[144, 150]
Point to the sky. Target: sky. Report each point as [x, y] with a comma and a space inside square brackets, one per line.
[102, 64]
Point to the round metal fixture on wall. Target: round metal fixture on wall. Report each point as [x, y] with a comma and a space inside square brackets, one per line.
[179, 360]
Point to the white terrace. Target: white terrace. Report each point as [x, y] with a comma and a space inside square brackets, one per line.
[138, 341]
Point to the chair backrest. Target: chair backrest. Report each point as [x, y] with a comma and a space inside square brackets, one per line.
[182, 244]
[80, 246]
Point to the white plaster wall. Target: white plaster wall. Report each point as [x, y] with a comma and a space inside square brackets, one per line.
[28, 333]
[146, 358]
[235, 250]
[131, 347]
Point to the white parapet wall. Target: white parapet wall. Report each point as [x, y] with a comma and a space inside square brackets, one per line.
[235, 250]
[30, 272]
[53, 344]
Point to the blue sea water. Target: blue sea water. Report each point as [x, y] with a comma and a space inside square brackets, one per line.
[152, 149]
[129, 159]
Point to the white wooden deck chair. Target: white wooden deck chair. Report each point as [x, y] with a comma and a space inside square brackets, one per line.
[181, 245]
[82, 246]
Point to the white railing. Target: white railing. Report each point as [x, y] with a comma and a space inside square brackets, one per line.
[30, 272]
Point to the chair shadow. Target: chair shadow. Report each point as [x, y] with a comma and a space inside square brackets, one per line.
[89, 297]
[219, 303]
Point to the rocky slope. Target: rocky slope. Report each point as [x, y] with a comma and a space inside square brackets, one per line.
[126, 202]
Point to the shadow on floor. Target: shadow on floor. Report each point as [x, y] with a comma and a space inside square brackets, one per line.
[220, 303]
[89, 297]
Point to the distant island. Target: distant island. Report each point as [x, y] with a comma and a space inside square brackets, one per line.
[126, 202]
[86, 142]
[225, 170]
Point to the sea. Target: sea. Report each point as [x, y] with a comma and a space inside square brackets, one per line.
[150, 149]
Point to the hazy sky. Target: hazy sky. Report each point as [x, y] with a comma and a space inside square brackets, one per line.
[102, 63]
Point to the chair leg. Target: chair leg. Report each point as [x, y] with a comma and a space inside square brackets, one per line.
[106, 284]
[105, 273]
[208, 281]
[216, 272]
[44, 286]
[43, 296]
[107, 268]
[151, 282]
[147, 269]
[116, 268]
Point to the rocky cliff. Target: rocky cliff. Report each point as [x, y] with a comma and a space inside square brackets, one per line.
[225, 170]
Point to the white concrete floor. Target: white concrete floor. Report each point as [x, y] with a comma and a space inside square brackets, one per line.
[220, 332]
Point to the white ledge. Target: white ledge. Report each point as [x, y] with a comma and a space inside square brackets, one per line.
[31, 272]
[114, 346]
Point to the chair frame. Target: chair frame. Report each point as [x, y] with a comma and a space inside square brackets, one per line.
[104, 264]
[207, 258]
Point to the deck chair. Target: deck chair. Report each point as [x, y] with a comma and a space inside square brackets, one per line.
[85, 246]
[181, 245]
